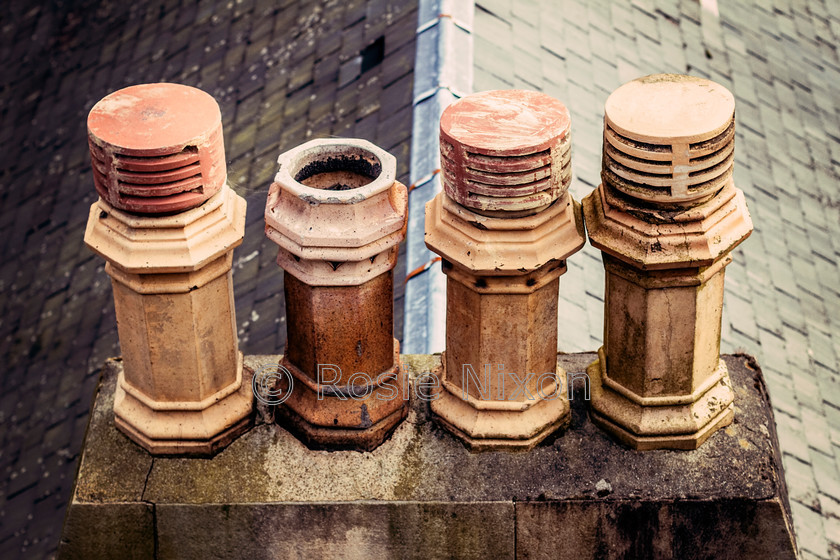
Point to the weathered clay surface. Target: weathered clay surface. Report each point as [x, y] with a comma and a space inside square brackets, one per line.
[669, 138]
[517, 334]
[356, 416]
[182, 388]
[500, 386]
[505, 123]
[423, 495]
[351, 329]
[336, 212]
[183, 242]
[348, 326]
[494, 246]
[659, 381]
[501, 321]
[660, 239]
[664, 108]
[338, 216]
[157, 148]
[506, 151]
[504, 225]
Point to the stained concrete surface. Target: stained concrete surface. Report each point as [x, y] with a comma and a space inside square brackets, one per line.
[422, 494]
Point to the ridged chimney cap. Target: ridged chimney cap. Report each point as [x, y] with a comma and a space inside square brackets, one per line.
[157, 148]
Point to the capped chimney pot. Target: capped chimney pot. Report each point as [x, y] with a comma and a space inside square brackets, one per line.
[504, 226]
[506, 153]
[167, 224]
[666, 217]
[157, 148]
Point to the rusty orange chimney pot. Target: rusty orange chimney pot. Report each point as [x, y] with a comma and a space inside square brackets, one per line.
[338, 215]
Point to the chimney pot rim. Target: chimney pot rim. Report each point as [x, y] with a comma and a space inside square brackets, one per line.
[294, 160]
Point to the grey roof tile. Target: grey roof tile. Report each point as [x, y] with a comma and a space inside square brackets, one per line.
[577, 41]
[825, 468]
[486, 81]
[527, 11]
[400, 32]
[742, 311]
[829, 383]
[796, 468]
[820, 345]
[498, 30]
[601, 44]
[398, 64]
[499, 8]
[645, 22]
[807, 390]
[784, 403]
[578, 73]
[809, 530]
[527, 66]
[827, 274]
[551, 40]
[577, 13]
[622, 19]
[553, 67]
[494, 58]
[832, 533]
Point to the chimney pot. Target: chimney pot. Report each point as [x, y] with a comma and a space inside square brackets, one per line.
[157, 148]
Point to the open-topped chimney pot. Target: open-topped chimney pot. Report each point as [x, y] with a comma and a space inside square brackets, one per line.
[338, 216]
[666, 217]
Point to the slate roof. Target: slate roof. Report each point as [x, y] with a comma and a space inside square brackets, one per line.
[287, 71]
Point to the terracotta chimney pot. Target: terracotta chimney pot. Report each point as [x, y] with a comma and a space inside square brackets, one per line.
[504, 226]
[338, 216]
[169, 254]
[666, 217]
